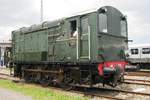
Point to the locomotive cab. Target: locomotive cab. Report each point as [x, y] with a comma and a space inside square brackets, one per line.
[112, 43]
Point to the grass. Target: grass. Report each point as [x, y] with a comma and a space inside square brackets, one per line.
[39, 93]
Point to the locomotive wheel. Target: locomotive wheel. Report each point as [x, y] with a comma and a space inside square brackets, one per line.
[44, 82]
[117, 77]
[27, 77]
[65, 84]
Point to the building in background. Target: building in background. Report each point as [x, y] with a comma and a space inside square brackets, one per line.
[5, 53]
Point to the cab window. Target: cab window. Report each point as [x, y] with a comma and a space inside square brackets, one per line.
[103, 23]
[123, 28]
[84, 25]
[73, 27]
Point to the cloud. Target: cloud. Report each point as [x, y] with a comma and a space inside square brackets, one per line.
[4, 33]
[15, 14]
[18, 13]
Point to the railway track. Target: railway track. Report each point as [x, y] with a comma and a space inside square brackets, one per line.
[95, 91]
[90, 92]
[124, 91]
[145, 71]
[8, 77]
[137, 81]
[139, 73]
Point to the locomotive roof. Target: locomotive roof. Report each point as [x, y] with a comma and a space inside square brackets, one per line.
[35, 27]
[49, 24]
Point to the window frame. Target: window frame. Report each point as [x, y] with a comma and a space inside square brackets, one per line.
[123, 31]
[100, 23]
[134, 51]
[83, 18]
[145, 52]
[71, 28]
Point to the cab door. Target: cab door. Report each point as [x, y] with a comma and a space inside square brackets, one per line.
[84, 38]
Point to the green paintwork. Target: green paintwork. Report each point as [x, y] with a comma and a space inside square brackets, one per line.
[52, 41]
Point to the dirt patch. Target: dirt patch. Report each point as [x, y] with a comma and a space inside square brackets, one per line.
[6, 94]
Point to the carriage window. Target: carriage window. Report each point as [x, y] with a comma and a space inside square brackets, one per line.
[123, 28]
[103, 23]
[134, 51]
[84, 25]
[73, 27]
[146, 51]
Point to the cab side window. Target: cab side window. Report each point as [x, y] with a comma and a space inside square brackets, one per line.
[84, 25]
[73, 28]
[123, 28]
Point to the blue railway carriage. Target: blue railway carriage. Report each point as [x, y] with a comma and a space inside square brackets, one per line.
[84, 49]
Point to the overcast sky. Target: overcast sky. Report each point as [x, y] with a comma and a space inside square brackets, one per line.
[15, 14]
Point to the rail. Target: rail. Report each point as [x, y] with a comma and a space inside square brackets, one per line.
[93, 91]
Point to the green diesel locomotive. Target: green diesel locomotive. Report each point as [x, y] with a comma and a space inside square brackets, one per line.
[85, 49]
